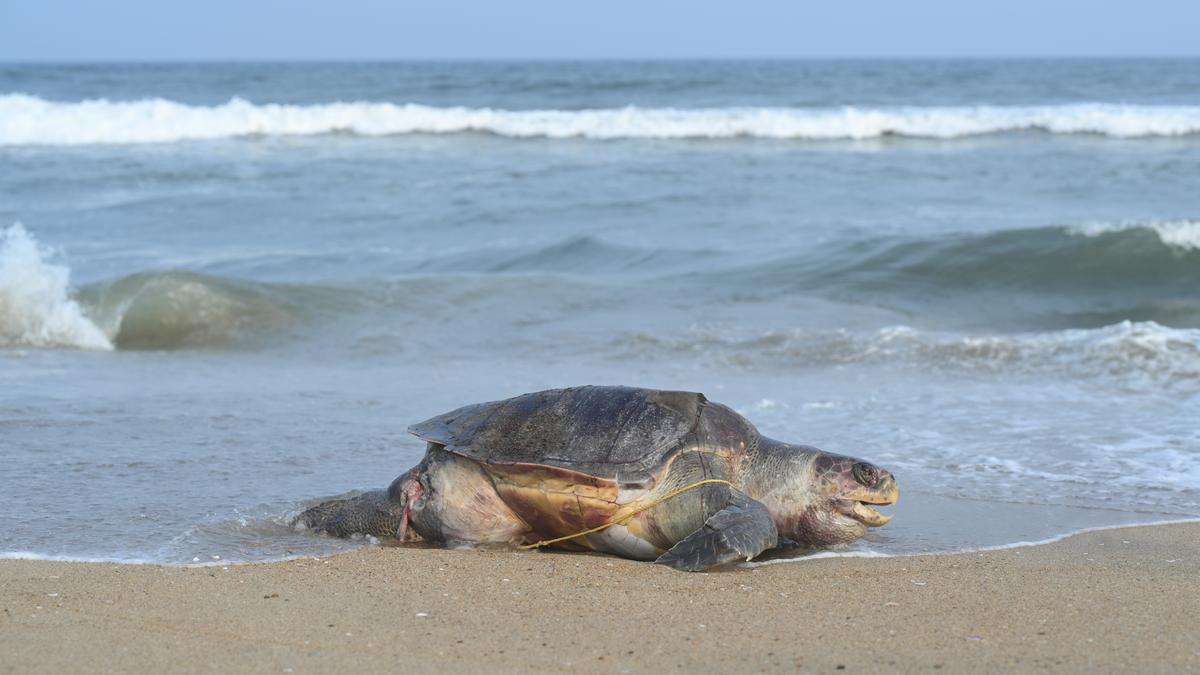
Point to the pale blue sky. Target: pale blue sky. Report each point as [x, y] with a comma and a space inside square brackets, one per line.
[152, 30]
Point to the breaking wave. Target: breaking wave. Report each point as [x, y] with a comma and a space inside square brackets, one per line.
[36, 306]
[181, 309]
[29, 120]
[148, 310]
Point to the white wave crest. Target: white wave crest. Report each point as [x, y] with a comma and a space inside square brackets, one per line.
[29, 120]
[36, 308]
[1180, 234]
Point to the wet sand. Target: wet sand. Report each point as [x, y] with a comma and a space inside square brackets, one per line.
[1115, 600]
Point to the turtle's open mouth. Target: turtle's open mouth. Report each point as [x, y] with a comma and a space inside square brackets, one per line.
[860, 504]
[867, 515]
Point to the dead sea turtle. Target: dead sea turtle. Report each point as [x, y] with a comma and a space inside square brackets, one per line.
[655, 475]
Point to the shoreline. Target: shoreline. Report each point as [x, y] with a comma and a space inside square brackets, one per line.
[1112, 599]
[982, 549]
[766, 561]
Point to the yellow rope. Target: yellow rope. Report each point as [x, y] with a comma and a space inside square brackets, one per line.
[629, 516]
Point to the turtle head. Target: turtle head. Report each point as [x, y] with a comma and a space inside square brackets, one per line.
[819, 498]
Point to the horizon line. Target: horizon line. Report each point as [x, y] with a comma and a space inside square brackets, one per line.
[581, 59]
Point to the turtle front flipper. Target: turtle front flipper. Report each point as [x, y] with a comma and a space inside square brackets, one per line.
[740, 531]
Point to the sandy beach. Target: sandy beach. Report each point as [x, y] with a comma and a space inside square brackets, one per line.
[1107, 601]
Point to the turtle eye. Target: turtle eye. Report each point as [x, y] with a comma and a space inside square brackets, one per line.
[866, 474]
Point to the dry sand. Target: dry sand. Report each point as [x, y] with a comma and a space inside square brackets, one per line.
[1115, 600]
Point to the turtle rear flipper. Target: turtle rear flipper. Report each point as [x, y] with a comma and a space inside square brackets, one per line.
[740, 531]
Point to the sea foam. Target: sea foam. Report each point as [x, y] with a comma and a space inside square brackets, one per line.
[29, 120]
[36, 307]
[1134, 353]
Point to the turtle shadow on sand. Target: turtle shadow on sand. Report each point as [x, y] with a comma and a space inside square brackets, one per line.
[667, 476]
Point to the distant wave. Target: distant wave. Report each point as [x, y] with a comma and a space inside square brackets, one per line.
[1181, 235]
[1156, 261]
[574, 255]
[29, 120]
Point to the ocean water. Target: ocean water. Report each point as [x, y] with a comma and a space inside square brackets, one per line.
[226, 289]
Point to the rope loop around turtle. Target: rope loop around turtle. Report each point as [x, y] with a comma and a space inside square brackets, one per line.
[629, 516]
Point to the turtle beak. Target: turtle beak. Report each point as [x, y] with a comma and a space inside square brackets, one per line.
[876, 487]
